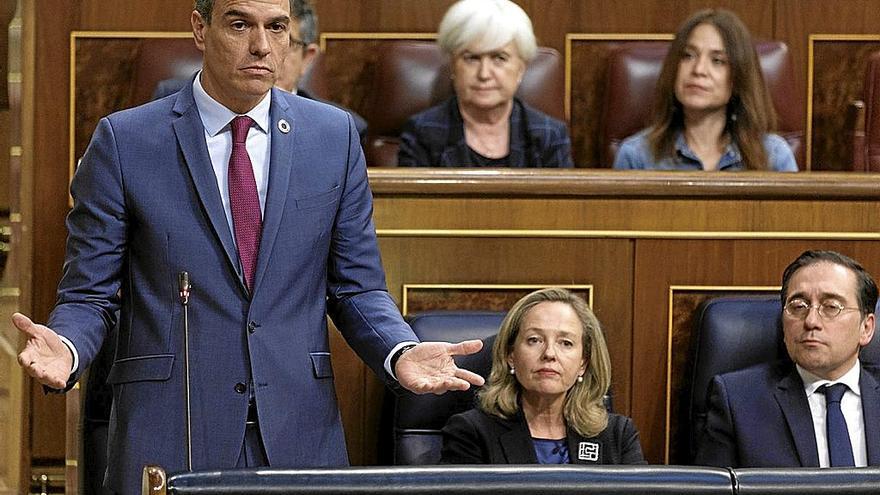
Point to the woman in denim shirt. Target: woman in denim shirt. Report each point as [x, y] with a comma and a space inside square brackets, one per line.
[712, 110]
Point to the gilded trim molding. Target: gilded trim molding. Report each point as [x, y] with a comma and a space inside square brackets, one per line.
[626, 234]
[570, 37]
[330, 36]
[407, 287]
[811, 42]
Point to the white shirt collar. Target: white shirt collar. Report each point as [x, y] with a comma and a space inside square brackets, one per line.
[850, 378]
[215, 117]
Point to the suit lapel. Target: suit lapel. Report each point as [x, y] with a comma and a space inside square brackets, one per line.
[281, 162]
[796, 410]
[516, 443]
[871, 415]
[191, 136]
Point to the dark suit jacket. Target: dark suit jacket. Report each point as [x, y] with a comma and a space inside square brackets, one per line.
[760, 417]
[474, 437]
[435, 138]
[146, 207]
[171, 86]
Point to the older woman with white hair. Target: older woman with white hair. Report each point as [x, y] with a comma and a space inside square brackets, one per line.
[543, 402]
[489, 43]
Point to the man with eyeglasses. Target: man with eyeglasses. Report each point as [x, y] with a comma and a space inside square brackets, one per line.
[304, 50]
[822, 408]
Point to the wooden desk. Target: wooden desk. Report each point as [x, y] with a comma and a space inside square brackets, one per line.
[650, 246]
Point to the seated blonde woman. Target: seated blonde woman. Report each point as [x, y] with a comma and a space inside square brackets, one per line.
[489, 43]
[712, 110]
[543, 403]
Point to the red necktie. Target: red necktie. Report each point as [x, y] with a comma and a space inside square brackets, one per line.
[244, 200]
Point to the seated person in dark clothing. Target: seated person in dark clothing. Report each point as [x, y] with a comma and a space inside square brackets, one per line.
[304, 50]
[489, 44]
[543, 402]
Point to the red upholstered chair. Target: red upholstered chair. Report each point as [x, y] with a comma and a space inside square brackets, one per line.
[412, 76]
[632, 74]
[159, 60]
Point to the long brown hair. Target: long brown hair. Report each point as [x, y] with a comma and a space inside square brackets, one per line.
[750, 113]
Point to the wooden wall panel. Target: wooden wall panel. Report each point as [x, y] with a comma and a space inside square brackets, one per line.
[523, 259]
[796, 20]
[46, 436]
[788, 20]
[838, 66]
[703, 263]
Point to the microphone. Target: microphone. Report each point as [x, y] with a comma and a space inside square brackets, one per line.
[184, 287]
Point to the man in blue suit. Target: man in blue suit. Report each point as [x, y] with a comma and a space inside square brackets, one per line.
[271, 248]
[786, 414]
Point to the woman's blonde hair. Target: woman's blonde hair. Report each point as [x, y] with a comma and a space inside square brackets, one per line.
[584, 410]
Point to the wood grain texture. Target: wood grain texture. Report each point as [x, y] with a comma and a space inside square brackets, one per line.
[838, 67]
[649, 205]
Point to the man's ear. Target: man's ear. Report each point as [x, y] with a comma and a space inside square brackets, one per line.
[310, 53]
[866, 333]
[198, 27]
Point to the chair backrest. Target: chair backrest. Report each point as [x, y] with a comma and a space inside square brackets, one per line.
[169, 63]
[160, 60]
[732, 333]
[872, 114]
[94, 422]
[412, 76]
[632, 75]
[418, 419]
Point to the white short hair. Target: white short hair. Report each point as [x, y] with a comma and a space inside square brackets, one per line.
[487, 25]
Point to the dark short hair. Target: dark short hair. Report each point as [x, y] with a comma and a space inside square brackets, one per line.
[206, 7]
[866, 287]
[304, 13]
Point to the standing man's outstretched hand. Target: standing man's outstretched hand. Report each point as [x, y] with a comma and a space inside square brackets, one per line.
[44, 357]
[429, 368]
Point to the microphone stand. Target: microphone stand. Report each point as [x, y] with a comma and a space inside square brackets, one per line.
[184, 290]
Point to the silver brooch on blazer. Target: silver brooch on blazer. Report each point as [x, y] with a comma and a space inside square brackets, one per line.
[283, 126]
[588, 451]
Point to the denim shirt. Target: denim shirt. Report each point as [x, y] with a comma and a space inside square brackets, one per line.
[635, 154]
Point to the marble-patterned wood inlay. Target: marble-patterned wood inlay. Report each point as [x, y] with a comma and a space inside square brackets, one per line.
[838, 80]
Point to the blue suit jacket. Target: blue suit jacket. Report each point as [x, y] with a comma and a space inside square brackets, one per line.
[760, 417]
[146, 207]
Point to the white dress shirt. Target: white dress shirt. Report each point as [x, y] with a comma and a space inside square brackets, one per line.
[218, 135]
[850, 405]
[216, 119]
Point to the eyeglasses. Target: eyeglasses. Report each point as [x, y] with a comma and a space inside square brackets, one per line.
[294, 42]
[828, 310]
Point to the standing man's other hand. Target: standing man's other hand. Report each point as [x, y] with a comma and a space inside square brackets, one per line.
[429, 368]
[44, 357]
